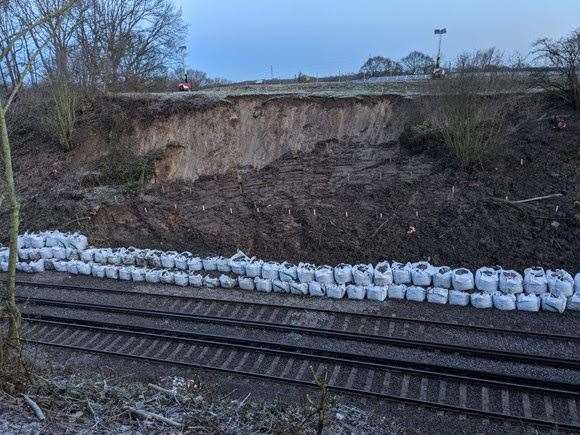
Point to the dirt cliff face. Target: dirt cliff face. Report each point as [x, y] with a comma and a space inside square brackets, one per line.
[255, 131]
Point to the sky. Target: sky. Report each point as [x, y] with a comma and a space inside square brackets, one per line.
[248, 39]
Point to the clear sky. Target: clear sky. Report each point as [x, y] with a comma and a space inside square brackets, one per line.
[242, 39]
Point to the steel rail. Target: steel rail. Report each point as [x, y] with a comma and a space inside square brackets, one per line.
[522, 358]
[547, 423]
[480, 328]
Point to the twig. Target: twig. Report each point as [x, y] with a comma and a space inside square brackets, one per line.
[147, 414]
[37, 411]
[537, 198]
[244, 401]
[161, 389]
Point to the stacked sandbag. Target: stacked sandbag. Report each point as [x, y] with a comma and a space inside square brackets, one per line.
[552, 290]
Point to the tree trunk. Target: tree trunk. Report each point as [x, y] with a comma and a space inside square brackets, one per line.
[11, 310]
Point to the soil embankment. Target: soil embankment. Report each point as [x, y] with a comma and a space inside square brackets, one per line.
[311, 179]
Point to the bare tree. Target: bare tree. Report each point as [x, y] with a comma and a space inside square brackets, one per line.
[418, 63]
[22, 27]
[484, 60]
[126, 41]
[562, 57]
[379, 65]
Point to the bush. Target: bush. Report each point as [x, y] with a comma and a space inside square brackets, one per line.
[470, 112]
[422, 138]
[61, 119]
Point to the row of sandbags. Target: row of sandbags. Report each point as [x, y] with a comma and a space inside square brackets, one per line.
[488, 287]
[437, 295]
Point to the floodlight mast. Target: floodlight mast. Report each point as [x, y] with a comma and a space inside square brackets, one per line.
[440, 33]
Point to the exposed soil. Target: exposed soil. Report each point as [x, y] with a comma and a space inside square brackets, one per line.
[340, 202]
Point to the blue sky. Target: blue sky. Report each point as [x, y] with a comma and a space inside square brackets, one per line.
[241, 39]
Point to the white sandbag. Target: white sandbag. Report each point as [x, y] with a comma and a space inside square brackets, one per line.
[487, 279]
[535, 280]
[305, 272]
[238, 263]
[223, 265]
[84, 268]
[421, 273]
[71, 267]
[181, 278]
[279, 286]
[112, 272]
[227, 281]
[23, 267]
[415, 293]
[153, 258]
[181, 261]
[72, 254]
[114, 257]
[125, 273]
[270, 270]
[299, 288]
[99, 255]
[36, 241]
[401, 273]
[573, 302]
[457, 297]
[97, 270]
[356, 291]
[504, 301]
[209, 263]
[128, 256]
[254, 269]
[210, 282]
[553, 303]
[376, 292]
[335, 291]
[437, 295]
[510, 282]
[246, 283]
[87, 255]
[362, 274]
[78, 241]
[287, 272]
[37, 266]
[195, 280]
[560, 282]
[528, 302]
[23, 254]
[383, 274]
[324, 275]
[397, 291]
[194, 264]
[263, 285]
[577, 283]
[168, 259]
[59, 253]
[51, 239]
[167, 277]
[34, 254]
[4, 266]
[442, 277]
[138, 274]
[481, 300]
[153, 275]
[315, 289]
[462, 279]
[343, 273]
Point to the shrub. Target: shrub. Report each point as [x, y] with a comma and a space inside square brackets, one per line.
[62, 117]
[471, 114]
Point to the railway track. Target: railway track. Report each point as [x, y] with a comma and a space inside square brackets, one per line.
[504, 397]
[522, 358]
[545, 404]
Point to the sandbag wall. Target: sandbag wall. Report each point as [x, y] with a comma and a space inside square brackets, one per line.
[489, 287]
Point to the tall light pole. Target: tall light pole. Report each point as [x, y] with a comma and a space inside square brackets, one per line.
[183, 51]
[440, 33]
